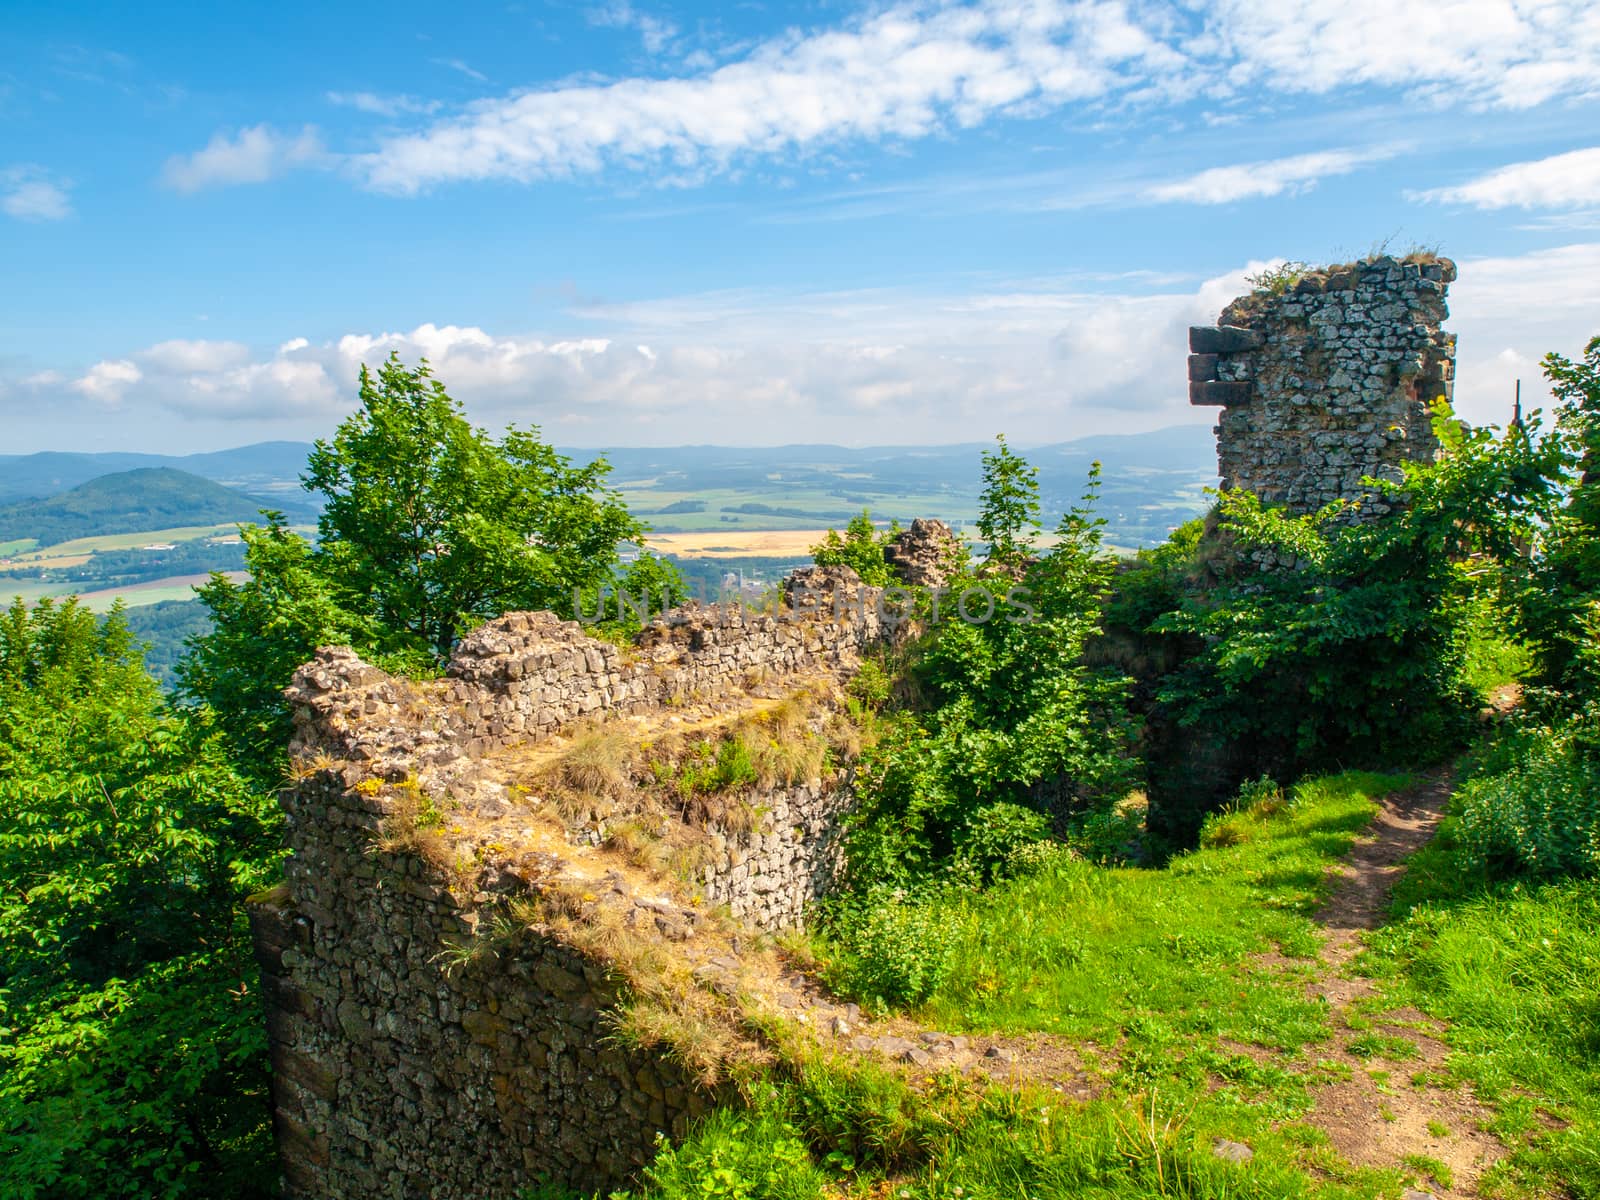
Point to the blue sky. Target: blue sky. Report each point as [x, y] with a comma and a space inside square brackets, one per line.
[657, 223]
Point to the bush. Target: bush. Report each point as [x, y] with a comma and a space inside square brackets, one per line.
[896, 951]
[737, 1157]
[1540, 814]
[993, 834]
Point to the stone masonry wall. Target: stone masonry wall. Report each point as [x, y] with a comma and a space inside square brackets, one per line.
[1329, 381]
[400, 1075]
[525, 675]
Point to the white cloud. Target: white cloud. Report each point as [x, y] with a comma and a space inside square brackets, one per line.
[1483, 52]
[1041, 360]
[384, 106]
[920, 67]
[456, 64]
[1570, 180]
[1220, 185]
[901, 73]
[1506, 322]
[180, 355]
[31, 193]
[253, 155]
[107, 381]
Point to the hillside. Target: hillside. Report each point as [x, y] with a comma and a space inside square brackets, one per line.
[262, 467]
[126, 502]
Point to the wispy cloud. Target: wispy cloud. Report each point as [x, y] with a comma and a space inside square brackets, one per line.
[456, 64]
[1570, 180]
[252, 155]
[384, 106]
[921, 67]
[1243, 181]
[1037, 358]
[107, 381]
[654, 32]
[31, 193]
[902, 73]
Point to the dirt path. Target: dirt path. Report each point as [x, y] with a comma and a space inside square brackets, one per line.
[1387, 1110]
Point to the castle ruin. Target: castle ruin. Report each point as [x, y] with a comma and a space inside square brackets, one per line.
[1329, 380]
[448, 962]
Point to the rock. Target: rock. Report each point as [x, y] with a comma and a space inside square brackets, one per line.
[1235, 1152]
[1000, 1054]
[926, 554]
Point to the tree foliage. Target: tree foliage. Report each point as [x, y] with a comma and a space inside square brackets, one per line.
[1017, 730]
[1356, 650]
[861, 549]
[132, 1053]
[1008, 508]
[429, 528]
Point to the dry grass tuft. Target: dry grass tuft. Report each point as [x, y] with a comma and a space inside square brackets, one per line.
[599, 762]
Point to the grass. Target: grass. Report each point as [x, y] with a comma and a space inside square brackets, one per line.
[1154, 969]
[1514, 967]
[1092, 952]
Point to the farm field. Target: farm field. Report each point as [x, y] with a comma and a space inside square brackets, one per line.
[135, 595]
[79, 549]
[727, 543]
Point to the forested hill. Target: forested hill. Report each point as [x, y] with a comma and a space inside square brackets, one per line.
[127, 502]
[262, 467]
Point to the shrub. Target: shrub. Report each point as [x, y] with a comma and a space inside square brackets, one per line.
[737, 1157]
[1540, 814]
[995, 832]
[896, 951]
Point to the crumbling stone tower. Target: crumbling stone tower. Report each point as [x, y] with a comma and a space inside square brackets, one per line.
[1327, 380]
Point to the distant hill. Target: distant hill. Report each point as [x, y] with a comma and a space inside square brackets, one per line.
[267, 469]
[126, 502]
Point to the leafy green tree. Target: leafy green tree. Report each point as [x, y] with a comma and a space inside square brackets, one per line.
[1018, 731]
[132, 1052]
[262, 629]
[430, 526]
[1008, 508]
[1564, 598]
[861, 548]
[1357, 652]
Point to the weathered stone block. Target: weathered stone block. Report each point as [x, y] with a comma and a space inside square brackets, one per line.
[1222, 339]
[1202, 367]
[1227, 392]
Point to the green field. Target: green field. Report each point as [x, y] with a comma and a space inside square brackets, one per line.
[136, 595]
[114, 541]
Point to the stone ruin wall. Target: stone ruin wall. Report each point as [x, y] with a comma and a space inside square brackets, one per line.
[397, 1076]
[1329, 381]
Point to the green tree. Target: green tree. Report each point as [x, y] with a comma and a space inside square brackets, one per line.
[1008, 508]
[1562, 600]
[430, 526]
[861, 549]
[132, 1052]
[261, 630]
[1358, 652]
